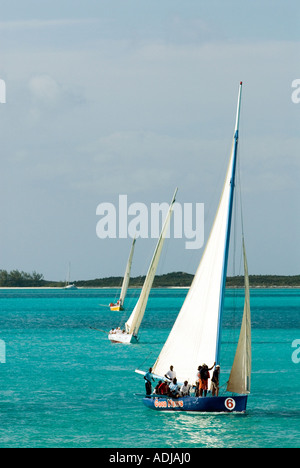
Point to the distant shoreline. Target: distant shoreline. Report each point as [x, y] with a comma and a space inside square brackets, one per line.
[175, 280]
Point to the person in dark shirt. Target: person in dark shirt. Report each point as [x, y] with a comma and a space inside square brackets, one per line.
[204, 376]
[214, 387]
[149, 379]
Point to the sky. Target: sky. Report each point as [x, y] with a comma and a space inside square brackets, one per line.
[130, 97]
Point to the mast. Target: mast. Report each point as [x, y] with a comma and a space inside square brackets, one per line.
[195, 336]
[68, 274]
[228, 230]
[127, 274]
[135, 320]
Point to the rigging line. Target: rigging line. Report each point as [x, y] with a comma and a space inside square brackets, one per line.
[130, 305]
[118, 290]
[235, 234]
[241, 199]
[98, 329]
[123, 317]
[163, 258]
[222, 391]
[140, 365]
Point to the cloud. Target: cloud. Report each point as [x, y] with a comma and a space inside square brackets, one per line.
[45, 90]
[143, 161]
[50, 101]
[41, 24]
[154, 114]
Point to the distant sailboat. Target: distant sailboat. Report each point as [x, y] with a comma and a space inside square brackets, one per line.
[196, 335]
[120, 303]
[132, 326]
[68, 285]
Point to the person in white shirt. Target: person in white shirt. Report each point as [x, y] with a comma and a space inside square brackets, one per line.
[173, 388]
[185, 389]
[171, 374]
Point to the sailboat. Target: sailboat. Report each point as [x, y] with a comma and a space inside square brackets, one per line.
[130, 333]
[196, 335]
[120, 303]
[68, 284]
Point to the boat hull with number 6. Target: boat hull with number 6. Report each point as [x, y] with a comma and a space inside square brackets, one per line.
[209, 404]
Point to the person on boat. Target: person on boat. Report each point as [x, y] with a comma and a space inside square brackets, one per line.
[173, 388]
[197, 390]
[157, 390]
[163, 388]
[204, 376]
[171, 374]
[214, 386]
[149, 379]
[185, 389]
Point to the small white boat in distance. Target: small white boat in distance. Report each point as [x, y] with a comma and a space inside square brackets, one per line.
[71, 286]
[68, 285]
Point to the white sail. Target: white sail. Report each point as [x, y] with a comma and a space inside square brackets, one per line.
[127, 275]
[240, 376]
[195, 336]
[135, 319]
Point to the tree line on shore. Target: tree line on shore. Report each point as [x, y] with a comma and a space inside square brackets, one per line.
[16, 278]
[19, 279]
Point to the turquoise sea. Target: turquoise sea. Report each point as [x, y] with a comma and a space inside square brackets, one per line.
[63, 384]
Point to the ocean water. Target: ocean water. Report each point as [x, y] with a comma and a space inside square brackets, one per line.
[63, 384]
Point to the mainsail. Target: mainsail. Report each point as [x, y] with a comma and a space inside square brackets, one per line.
[127, 274]
[240, 376]
[195, 337]
[135, 319]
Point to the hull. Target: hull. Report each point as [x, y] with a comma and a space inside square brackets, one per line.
[116, 308]
[221, 404]
[125, 338]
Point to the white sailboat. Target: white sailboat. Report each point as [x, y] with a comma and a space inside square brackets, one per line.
[120, 303]
[130, 333]
[196, 335]
[68, 284]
